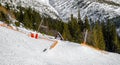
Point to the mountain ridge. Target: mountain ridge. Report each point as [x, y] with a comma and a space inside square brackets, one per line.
[42, 6]
[93, 9]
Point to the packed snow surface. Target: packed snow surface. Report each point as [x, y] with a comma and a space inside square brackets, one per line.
[17, 48]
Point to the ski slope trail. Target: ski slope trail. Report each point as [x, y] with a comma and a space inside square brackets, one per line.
[19, 49]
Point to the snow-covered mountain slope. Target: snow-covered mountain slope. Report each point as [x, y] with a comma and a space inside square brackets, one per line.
[42, 6]
[17, 48]
[94, 9]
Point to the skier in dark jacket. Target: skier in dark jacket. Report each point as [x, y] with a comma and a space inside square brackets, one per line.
[58, 36]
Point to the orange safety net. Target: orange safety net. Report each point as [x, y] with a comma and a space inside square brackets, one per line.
[4, 25]
[102, 51]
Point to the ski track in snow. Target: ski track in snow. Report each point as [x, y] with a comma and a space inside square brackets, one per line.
[18, 49]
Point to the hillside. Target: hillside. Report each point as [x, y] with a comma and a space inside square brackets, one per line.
[94, 9]
[17, 48]
[42, 6]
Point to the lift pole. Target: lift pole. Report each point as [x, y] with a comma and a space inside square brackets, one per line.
[40, 25]
[85, 38]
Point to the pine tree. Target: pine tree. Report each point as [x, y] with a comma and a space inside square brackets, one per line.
[3, 17]
[111, 37]
[60, 26]
[86, 24]
[27, 21]
[20, 17]
[36, 19]
[98, 37]
[75, 30]
[66, 34]
[80, 22]
[79, 18]
[7, 6]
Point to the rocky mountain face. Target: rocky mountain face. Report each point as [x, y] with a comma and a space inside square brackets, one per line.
[94, 9]
[41, 6]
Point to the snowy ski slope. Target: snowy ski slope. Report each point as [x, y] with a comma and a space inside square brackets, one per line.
[17, 48]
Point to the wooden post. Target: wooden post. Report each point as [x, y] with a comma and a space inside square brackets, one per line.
[40, 25]
[85, 37]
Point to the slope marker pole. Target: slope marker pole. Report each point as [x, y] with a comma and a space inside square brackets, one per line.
[85, 38]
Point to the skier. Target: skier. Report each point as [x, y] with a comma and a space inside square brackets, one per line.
[58, 36]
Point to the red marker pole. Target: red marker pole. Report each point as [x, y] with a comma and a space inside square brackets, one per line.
[32, 35]
[36, 36]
